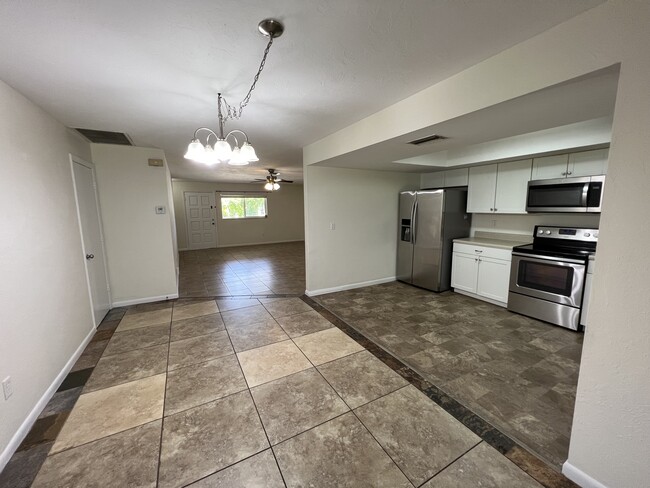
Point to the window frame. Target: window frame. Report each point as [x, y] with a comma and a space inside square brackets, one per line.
[244, 197]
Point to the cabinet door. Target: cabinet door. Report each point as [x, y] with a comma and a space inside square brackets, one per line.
[464, 268]
[433, 180]
[588, 163]
[493, 279]
[481, 189]
[512, 187]
[550, 167]
[456, 177]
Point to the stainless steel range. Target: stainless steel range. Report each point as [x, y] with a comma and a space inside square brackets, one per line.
[547, 277]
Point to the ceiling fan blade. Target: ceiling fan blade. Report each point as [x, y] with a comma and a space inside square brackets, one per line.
[259, 179]
[285, 181]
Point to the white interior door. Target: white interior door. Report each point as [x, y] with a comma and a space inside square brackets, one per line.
[91, 236]
[200, 215]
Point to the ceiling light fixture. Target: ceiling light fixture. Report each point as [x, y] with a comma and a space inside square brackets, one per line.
[272, 180]
[222, 151]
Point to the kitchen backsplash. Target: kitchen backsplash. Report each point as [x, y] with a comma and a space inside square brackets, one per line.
[525, 224]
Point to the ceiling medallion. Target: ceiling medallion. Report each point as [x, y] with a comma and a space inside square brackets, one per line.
[242, 152]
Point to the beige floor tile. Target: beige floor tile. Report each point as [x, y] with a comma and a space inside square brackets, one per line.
[281, 307]
[202, 383]
[199, 349]
[295, 403]
[360, 378]
[196, 326]
[259, 471]
[129, 458]
[418, 435]
[194, 310]
[304, 323]
[130, 340]
[144, 319]
[271, 362]
[236, 303]
[132, 365]
[339, 453]
[112, 410]
[256, 335]
[482, 466]
[205, 439]
[327, 345]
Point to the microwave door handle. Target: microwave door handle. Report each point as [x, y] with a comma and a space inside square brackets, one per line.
[585, 193]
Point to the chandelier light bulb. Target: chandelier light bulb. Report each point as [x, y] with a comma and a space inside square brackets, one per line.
[237, 159]
[209, 156]
[268, 186]
[195, 151]
[248, 152]
[222, 150]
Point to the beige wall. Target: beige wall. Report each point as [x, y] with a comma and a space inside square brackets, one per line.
[525, 224]
[285, 222]
[140, 248]
[45, 313]
[363, 207]
[609, 439]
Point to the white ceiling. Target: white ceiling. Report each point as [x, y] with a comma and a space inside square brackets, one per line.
[152, 69]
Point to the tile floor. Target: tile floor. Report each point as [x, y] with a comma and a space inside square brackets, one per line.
[517, 373]
[245, 270]
[256, 393]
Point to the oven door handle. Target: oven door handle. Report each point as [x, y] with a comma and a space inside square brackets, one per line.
[548, 258]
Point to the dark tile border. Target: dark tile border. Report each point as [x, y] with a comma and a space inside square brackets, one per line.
[520, 456]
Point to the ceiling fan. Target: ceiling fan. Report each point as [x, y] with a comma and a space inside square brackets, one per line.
[272, 180]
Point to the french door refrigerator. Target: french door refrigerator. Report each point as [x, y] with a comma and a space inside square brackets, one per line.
[429, 221]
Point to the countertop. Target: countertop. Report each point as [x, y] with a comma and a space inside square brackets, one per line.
[495, 240]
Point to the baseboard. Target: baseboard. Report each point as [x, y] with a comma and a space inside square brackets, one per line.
[138, 301]
[27, 424]
[580, 477]
[323, 291]
[184, 249]
[261, 243]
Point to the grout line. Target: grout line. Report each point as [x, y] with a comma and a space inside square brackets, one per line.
[452, 462]
[162, 424]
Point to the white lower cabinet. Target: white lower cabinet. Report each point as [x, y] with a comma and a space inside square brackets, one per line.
[482, 272]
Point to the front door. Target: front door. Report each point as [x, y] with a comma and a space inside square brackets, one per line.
[91, 235]
[200, 214]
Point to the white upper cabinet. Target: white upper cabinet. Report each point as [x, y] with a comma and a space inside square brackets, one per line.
[445, 179]
[499, 188]
[586, 163]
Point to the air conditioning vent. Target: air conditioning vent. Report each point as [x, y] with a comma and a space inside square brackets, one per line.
[105, 137]
[425, 139]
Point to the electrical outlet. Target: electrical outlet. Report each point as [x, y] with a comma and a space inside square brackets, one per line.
[7, 389]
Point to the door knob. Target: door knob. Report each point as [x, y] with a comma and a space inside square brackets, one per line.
[90, 256]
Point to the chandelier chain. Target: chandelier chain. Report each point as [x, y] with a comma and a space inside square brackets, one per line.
[235, 112]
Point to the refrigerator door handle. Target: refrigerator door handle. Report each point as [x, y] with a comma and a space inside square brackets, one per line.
[414, 228]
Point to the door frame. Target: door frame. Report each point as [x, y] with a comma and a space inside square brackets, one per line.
[213, 204]
[77, 160]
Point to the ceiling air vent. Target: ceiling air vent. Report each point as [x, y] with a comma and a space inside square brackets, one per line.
[105, 137]
[425, 139]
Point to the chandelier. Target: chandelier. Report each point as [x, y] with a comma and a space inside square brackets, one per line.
[221, 151]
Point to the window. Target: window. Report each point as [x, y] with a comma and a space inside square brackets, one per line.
[235, 207]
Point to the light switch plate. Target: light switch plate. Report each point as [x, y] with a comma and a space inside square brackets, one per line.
[7, 389]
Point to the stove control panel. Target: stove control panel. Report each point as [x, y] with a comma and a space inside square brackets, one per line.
[567, 233]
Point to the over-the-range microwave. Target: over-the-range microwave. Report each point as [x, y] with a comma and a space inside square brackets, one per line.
[583, 194]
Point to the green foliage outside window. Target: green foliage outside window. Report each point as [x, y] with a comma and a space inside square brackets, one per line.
[243, 207]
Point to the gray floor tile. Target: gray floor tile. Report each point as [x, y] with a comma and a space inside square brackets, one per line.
[199, 349]
[339, 453]
[129, 458]
[245, 316]
[208, 438]
[282, 307]
[295, 403]
[361, 378]
[419, 435]
[255, 335]
[201, 383]
[226, 305]
[196, 326]
[259, 471]
[304, 323]
[61, 401]
[130, 340]
[195, 309]
[24, 466]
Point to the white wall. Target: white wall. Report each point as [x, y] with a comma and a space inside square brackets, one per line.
[140, 247]
[611, 427]
[45, 313]
[363, 207]
[525, 224]
[285, 222]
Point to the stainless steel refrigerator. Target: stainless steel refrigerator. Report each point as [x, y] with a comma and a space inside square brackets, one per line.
[429, 221]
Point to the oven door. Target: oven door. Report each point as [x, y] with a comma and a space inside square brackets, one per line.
[558, 280]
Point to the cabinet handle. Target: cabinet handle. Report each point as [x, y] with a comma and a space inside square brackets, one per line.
[477, 250]
[564, 173]
[476, 259]
[570, 172]
[495, 209]
[491, 210]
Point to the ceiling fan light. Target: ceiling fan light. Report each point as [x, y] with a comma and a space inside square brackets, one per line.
[195, 151]
[276, 186]
[248, 152]
[268, 186]
[236, 159]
